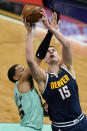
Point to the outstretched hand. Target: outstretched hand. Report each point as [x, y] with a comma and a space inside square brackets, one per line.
[53, 23]
[27, 25]
[45, 20]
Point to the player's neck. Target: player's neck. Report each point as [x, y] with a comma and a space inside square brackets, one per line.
[53, 69]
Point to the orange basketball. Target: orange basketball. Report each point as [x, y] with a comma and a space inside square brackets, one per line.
[31, 13]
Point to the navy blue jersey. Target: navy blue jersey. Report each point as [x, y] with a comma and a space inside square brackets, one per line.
[61, 94]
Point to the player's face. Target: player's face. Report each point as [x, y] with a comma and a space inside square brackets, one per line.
[19, 70]
[52, 55]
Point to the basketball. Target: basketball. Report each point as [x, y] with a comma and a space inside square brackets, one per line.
[31, 13]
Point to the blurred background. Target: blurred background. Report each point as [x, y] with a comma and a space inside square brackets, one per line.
[12, 7]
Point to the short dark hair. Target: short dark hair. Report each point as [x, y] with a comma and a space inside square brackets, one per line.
[52, 46]
[11, 73]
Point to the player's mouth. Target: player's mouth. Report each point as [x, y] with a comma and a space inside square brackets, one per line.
[52, 56]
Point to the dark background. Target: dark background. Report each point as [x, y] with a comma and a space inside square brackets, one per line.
[11, 6]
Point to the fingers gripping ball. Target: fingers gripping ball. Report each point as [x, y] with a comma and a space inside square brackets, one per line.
[31, 13]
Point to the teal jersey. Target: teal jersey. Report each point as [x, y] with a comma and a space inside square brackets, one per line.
[30, 108]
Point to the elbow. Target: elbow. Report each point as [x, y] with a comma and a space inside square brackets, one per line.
[29, 60]
[30, 63]
[67, 44]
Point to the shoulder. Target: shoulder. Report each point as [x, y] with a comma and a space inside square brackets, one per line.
[24, 87]
[70, 70]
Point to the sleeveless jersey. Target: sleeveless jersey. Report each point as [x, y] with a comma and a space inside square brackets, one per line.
[30, 108]
[61, 94]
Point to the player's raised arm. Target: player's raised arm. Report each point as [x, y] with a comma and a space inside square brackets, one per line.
[66, 49]
[38, 74]
[35, 69]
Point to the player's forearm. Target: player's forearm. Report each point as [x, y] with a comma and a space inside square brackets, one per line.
[67, 56]
[60, 37]
[29, 48]
[42, 49]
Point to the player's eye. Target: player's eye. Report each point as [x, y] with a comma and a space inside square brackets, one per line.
[48, 50]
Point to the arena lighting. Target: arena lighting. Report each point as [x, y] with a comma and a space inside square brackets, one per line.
[74, 8]
[35, 2]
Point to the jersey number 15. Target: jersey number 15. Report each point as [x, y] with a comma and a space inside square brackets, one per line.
[64, 92]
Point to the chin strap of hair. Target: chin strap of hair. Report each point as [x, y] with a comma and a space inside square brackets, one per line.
[42, 50]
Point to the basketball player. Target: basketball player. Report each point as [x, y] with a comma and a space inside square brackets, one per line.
[26, 97]
[58, 86]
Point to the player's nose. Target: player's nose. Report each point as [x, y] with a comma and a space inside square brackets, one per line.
[51, 51]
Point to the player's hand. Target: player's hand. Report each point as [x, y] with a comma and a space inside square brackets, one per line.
[27, 25]
[45, 19]
[54, 23]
